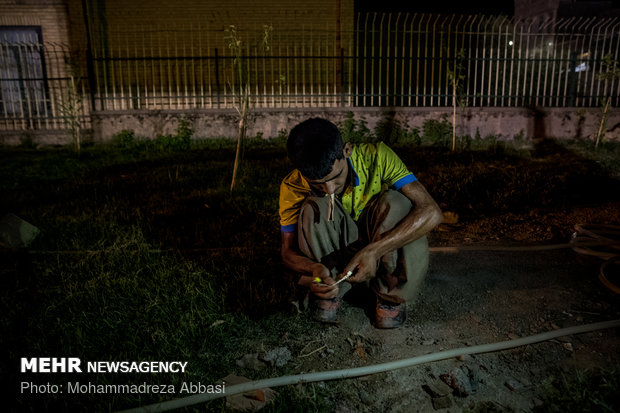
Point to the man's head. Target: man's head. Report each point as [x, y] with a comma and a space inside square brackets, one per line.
[316, 149]
[313, 146]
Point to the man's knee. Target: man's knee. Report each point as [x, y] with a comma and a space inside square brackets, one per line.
[391, 208]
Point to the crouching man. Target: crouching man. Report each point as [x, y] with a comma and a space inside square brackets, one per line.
[353, 209]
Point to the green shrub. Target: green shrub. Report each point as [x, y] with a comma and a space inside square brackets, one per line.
[438, 133]
[125, 139]
[355, 131]
[179, 142]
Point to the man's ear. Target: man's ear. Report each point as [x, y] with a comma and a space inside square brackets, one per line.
[347, 150]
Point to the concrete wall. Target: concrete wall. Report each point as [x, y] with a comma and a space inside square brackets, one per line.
[504, 123]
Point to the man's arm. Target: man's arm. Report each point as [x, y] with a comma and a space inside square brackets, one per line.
[423, 217]
[308, 268]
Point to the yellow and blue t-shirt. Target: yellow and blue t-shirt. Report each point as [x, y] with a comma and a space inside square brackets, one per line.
[373, 167]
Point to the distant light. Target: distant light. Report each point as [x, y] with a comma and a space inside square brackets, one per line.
[581, 67]
[510, 43]
[550, 43]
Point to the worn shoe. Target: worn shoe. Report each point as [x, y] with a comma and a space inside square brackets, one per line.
[325, 311]
[389, 315]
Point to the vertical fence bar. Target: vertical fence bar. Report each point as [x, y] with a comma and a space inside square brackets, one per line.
[553, 68]
[564, 68]
[288, 73]
[425, 71]
[579, 98]
[6, 97]
[24, 107]
[37, 76]
[50, 51]
[411, 62]
[387, 59]
[402, 60]
[380, 66]
[615, 28]
[365, 59]
[46, 92]
[504, 44]
[548, 46]
[372, 62]
[539, 46]
[29, 86]
[596, 57]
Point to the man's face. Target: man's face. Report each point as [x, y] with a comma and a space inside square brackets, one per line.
[335, 182]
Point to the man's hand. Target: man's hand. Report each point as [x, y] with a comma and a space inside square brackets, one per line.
[363, 265]
[323, 289]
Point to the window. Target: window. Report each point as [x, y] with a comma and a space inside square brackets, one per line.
[23, 92]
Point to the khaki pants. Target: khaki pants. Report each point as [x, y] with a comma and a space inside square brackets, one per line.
[333, 243]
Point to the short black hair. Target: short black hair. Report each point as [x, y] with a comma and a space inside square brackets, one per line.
[313, 146]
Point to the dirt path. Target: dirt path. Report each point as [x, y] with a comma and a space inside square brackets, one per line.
[469, 299]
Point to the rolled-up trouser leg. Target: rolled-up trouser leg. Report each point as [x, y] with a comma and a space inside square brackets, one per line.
[401, 272]
[323, 240]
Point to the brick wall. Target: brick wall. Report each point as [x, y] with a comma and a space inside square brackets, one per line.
[150, 23]
[50, 15]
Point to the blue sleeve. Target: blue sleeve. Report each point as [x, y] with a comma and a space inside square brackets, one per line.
[404, 181]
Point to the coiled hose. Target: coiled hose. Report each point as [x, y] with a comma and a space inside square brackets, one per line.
[602, 241]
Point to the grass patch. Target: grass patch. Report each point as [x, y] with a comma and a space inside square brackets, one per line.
[582, 391]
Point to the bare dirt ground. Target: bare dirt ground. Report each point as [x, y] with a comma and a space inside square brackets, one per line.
[477, 297]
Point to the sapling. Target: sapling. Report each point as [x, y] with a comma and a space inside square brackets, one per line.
[610, 72]
[242, 95]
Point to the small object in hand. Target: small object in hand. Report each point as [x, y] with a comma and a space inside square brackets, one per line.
[350, 273]
[319, 281]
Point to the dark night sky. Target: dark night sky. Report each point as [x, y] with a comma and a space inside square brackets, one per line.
[505, 7]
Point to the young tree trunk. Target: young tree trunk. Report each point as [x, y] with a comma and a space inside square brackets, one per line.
[453, 116]
[603, 122]
[243, 114]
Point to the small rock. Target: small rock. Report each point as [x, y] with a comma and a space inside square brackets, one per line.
[443, 402]
[278, 356]
[365, 397]
[568, 346]
[437, 388]
[513, 336]
[250, 361]
[513, 385]
[428, 342]
[459, 381]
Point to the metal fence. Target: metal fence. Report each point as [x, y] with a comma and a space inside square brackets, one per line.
[384, 60]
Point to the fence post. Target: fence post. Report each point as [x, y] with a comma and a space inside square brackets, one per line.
[217, 78]
[342, 77]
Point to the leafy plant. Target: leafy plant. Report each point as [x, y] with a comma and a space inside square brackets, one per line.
[611, 72]
[179, 142]
[355, 131]
[124, 139]
[437, 132]
[70, 104]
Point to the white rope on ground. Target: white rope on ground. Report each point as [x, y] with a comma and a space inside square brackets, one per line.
[373, 369]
